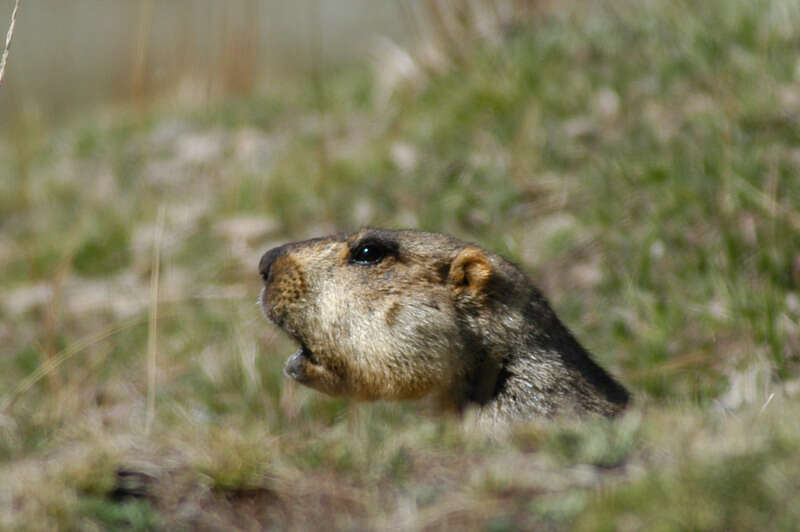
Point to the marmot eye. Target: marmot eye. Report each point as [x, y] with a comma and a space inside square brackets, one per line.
[368, 253]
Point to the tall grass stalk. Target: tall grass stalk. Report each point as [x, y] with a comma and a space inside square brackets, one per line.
[142, 40]
[9, 36]
[152, 336]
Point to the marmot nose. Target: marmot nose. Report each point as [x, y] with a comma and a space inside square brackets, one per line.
[268, 259]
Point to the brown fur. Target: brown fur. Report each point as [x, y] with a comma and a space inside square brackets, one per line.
[431, 316]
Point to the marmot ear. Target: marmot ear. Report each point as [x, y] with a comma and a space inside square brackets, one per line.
[470, 271]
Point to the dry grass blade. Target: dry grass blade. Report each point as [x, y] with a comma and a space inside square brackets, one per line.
[51, 364]
[9, 36]
[138, 80]
[768, 204]
[152, 337]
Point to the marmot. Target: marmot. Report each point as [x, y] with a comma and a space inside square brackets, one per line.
[384, 314]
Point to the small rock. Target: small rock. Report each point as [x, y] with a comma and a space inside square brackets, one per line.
[657, 249]
[404, 156]
[606, 103]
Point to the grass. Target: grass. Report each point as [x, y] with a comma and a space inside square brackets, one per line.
[641, 167]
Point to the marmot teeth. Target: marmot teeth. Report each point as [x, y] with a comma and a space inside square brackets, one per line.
[295, 362]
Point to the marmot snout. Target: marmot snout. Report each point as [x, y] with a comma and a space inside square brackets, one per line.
[385, 314]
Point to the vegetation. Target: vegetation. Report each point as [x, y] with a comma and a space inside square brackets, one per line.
[639, 159]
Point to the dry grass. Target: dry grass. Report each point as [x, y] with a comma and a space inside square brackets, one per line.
[641, 168]
[7, 47]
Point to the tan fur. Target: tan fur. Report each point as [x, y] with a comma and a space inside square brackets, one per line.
[433, 316]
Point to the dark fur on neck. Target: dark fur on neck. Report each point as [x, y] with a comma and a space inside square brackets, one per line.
[530, 364]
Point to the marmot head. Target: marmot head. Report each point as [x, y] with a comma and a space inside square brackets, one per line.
[401, 314]
[382, 314]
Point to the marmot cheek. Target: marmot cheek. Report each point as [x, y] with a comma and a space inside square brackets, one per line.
[272, 304]
[283, 298]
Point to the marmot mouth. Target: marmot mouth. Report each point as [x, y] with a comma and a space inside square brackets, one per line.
[294, 365]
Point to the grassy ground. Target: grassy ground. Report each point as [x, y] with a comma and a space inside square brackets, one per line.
[639, 159]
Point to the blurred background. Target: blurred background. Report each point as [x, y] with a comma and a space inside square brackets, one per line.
[639, 159]
[72, 55]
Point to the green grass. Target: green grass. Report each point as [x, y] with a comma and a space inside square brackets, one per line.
[640, 160]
